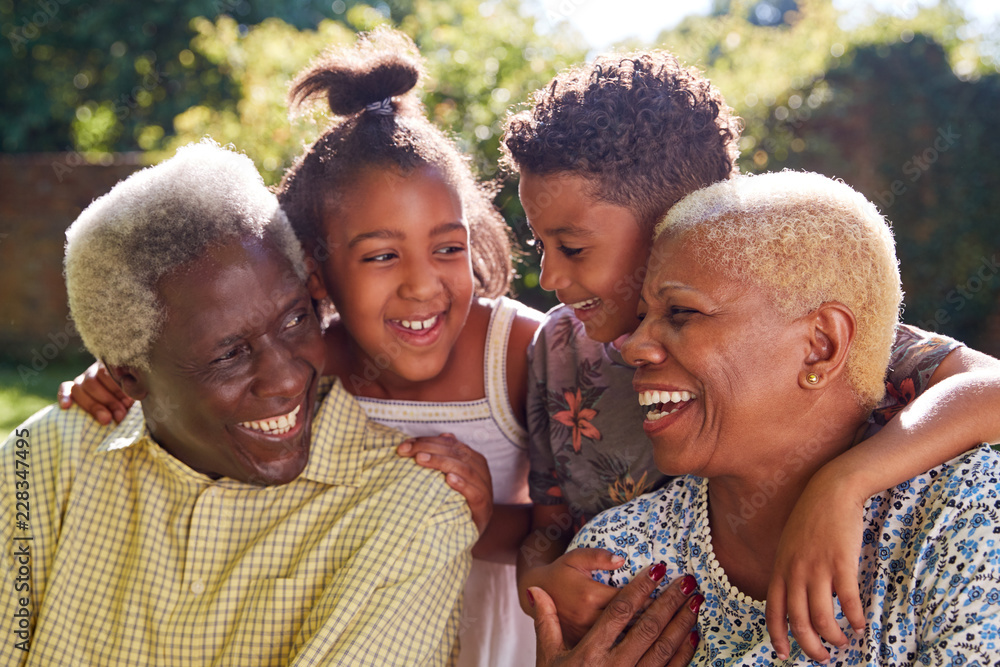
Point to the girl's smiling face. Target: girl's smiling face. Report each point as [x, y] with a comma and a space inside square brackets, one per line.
[399, 271]
[593, 253]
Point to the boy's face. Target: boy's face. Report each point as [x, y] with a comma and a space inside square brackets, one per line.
[593, 253]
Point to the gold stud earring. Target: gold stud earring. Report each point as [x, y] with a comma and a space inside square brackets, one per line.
[812, 378]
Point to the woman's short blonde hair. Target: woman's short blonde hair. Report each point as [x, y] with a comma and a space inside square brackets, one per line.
[807, 239]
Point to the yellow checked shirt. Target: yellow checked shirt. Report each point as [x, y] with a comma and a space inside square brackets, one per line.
[116, 553]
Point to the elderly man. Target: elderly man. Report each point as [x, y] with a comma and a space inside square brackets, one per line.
[209, 527]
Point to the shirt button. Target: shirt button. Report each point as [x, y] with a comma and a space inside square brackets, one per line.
[198, 587]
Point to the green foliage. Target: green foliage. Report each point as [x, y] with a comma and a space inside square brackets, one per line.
[923, 149]
[755, 65]
[259, 62]
[132, 57]
[122, 57]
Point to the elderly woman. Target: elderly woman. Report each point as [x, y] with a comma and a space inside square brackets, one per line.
[767, 320]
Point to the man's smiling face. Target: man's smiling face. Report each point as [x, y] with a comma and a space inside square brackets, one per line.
[233, 373]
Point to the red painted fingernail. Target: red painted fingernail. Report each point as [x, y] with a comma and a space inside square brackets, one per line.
[693, 638]
[658, 571]
[696, 602]
[531, 598]
[688, 585]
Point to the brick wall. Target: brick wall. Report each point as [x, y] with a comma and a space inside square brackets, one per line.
[40, 196]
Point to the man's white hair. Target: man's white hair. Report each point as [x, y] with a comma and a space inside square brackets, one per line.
[151, 223]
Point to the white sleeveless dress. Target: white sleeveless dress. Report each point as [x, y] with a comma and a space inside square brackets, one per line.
[494, 632]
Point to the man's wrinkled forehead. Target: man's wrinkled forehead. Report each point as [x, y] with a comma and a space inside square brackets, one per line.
[232, 290]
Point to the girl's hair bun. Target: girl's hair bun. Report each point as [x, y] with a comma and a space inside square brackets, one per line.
[382, 64]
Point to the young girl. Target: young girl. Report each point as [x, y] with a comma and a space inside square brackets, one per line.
[605, 151]
[415, 258]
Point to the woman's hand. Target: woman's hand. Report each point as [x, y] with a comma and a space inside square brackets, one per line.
[817, 556]
[662, 635]
[465, 470]
[579, 599]
[97, 394]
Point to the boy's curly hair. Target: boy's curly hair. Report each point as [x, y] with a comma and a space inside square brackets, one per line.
[643, 129]
[371, 89]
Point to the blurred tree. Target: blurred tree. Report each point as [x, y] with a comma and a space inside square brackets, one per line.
[110, 76]
[852, 99]
[258, 63]
[773, 12]
[897, 124]
[150, 76]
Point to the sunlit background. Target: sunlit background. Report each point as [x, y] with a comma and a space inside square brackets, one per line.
[643, 20]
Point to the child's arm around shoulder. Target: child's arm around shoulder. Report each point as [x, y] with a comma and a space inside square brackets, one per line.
[97, 394]
[821, 543]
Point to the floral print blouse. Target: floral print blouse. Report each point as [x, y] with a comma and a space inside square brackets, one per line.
[929, 570]
[586, 445]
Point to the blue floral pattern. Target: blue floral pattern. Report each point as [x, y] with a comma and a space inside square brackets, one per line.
[929, 570]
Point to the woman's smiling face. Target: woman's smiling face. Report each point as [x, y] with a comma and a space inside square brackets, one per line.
[593, 253]
[716, 364]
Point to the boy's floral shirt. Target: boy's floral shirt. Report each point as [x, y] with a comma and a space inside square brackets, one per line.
[586, 444]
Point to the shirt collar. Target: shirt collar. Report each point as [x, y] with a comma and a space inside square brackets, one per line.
[132, 430]
[341, 432]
